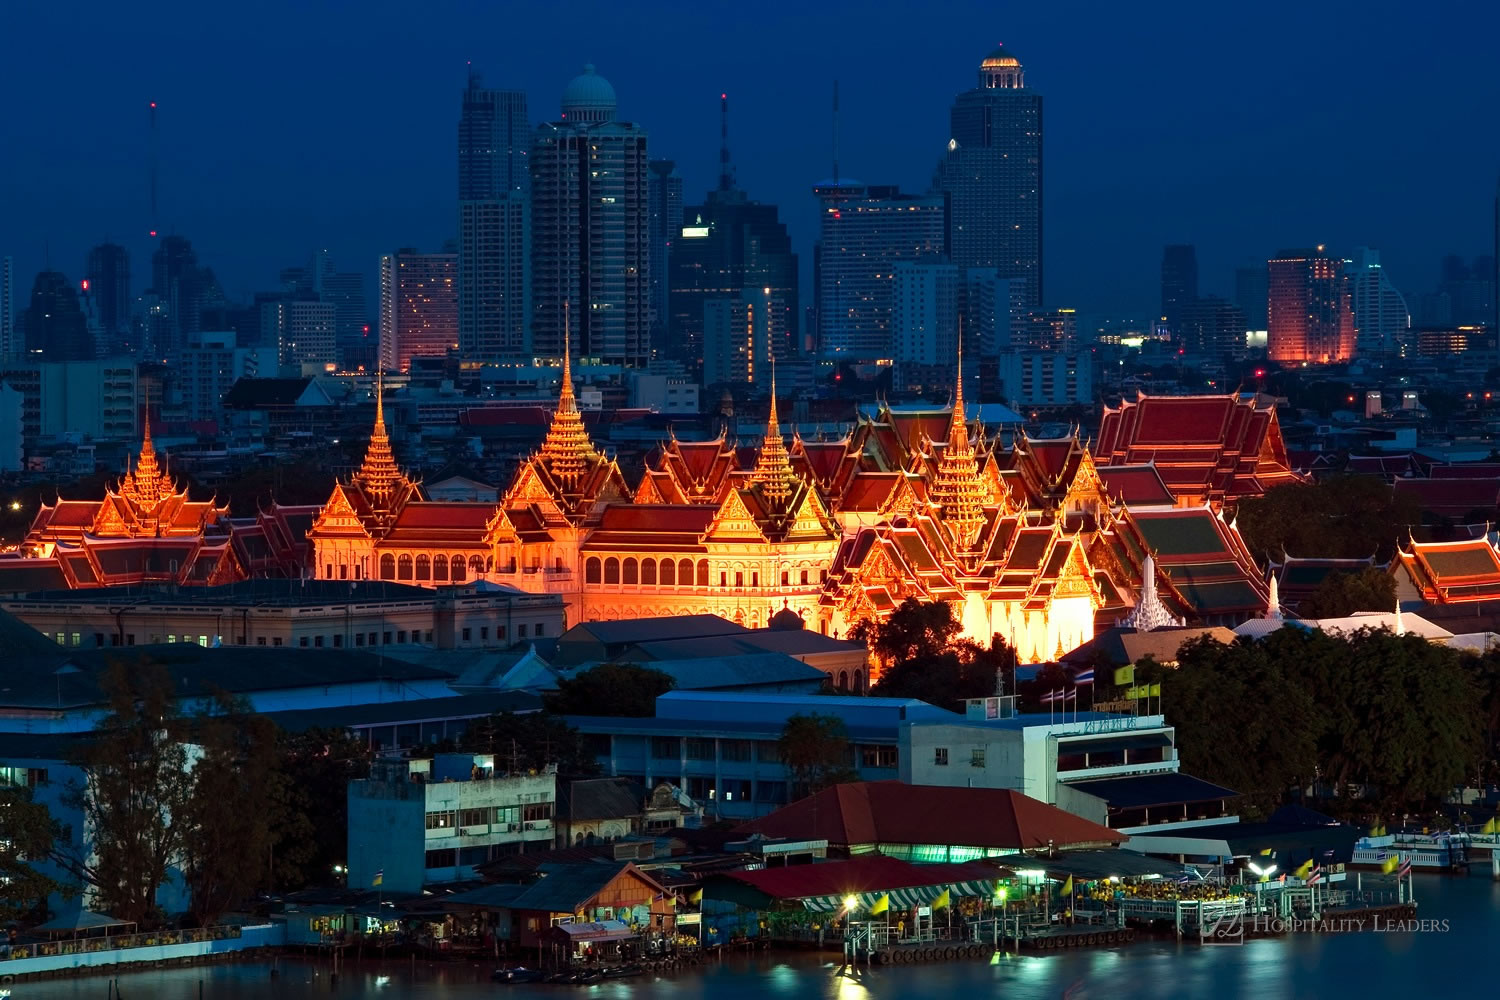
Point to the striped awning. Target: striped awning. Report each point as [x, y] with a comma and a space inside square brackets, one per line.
[902, 899]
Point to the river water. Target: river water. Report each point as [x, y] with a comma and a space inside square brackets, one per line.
[1448, 956]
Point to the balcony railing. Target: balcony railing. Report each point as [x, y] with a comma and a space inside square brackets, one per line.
[115, 942]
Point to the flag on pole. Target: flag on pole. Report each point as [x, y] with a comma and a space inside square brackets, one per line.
[1304, 869]
[1155, 691]
[945, 898]
[1490, 826]
[1084, 677]
[1265, 852]
[1389, 862]
[1405, 868]
[1068, 886]
[1124, 675]
[696, 896]
[882, 904]
[379, 878]
[1316, 875]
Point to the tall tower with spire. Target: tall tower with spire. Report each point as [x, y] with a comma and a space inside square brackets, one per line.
[147, 485]
[567, 451]
[958, 491]
[381, 480]
[773, 468]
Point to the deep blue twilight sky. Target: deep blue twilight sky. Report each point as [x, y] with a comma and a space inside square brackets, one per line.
[1239, 127]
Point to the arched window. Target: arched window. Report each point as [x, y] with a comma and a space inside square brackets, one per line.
[703, 572]
[424, 567]
[843, 680]
[611, 570]
[685, 573]
[388, 567]
[403, 567]
[859, 681]
[632, 571]
[440, 568]
[476, 565]
[648, 572]
[591, 570]
[456, 568]
[668, 573]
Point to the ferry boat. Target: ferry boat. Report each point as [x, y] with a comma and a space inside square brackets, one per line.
[1436, 852]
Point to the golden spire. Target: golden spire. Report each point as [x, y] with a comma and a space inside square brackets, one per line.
[567, 450]
[773, 468]
[146, 485]
[379, 475]
[958, 489]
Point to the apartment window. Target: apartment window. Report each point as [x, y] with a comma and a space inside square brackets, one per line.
[521, 631]
[276, 641]
[302, 642]
[484, 633]
[877, 756]
[665, 747]
[239, 640]
[445, 857]
[130, 639]
[359, 638]
[385, 638]
[338, 641]
[371, 639]
[533, 812]
[541, 629]
[767, 752]
[976, 757]
[442, 819]
[401, 636]
[98, 639]
[318, 641]
[507, 815]
[475, 817]
[467, 633]
[940, 756]
[500, 632]
[735, 750]
[700, 749]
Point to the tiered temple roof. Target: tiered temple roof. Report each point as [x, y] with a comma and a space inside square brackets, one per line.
[1207, 448]
[1462, 572]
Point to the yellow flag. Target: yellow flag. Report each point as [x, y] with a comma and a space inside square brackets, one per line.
[1124, 675]
[1068, 886]
[1489, 826]
[944, 899]
[1265, 851]
[696, 896]
[1155, 691]
[1304, 869]
[1389, 864]
[882, 904]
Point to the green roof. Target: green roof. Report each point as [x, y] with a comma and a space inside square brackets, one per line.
[1180, 535]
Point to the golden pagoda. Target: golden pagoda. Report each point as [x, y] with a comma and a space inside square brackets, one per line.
[958, 490]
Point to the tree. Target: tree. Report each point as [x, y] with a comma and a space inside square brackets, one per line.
[614, 689]
[135, 794]
[1342, 594]
[530, 742]
[815, 749]
[927, 658]
[28, 834]
[913, 631]
[1346, 517]
[235, 816]
[318, 765]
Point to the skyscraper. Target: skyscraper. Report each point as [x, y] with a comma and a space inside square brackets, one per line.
[1179, 282]
[664, 193]
[1382, 322]
[992, 175]
[1211, 327]
[742, 334]
[864, 233]
[1308, 304]
[181, 288]
[494, 135]
[56, 328]
[589, 222]
[1252, 294]
[108, 272]
[302, 331]
[726, 245]
[418, 306]
[7, 307]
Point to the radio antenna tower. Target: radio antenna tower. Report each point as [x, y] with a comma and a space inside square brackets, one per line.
[835, 133]
[152, 147]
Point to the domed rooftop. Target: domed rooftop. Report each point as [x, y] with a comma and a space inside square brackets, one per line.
[786, 620]
[589, 97]
[999, 58]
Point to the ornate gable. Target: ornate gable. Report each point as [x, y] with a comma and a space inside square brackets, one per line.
[338, 516]
[734, 520]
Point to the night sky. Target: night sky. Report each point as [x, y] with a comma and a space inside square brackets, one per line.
[1241, 128]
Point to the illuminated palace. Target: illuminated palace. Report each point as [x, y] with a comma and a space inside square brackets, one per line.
[146, 530]
[1032, 541]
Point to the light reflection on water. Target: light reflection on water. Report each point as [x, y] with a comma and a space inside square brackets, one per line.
[1367, 965]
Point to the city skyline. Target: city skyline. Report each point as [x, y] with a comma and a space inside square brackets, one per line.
[1198, 150]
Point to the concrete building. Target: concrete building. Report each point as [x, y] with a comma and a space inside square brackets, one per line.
[1309, 313]
[994, 307]
[418, 307]
[108, 275]
[1091, 764]
[7, 307]
[1048, 330]
[590, 230]
[311, 614]
[211, 364]
[1210, 327]
[664, 393]
[303, 332]
[864, 233]
[1045, 378]
[742, 333]
[1382, 321]
[55, 324]
[1252, 293]
[664, 198]
[924, 322]
[991, 175]
[414, 823]
[494, 140]
[90, 399]
[1179, 282]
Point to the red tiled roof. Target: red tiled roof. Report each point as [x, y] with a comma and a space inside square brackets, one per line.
[1451, 497]
[1468, 470]
[892, 812]
[1135, 485]
[450, 516]
[675, 518]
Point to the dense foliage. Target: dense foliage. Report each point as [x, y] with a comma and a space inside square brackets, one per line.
[1346, 517]
[617, 689]
[815, 749]
[1342, 594]
[926, 657]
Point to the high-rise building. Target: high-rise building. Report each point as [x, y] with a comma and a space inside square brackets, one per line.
[94, 398]
[864, 233]
[1211, 327]
[1382, 322]
[494, 266]
[494, 296]
[993, 309]
[1045, 378]
[494, 139]
[1252, 294]
[1465, 295]
[56, 328]
[991, 175]
[7, 307]
[211, 364]
[301, 330]
[664, 194]
[924, 322]
[1310, 318]
[180, 288]
[589, 223]
[1049, 330]
[1179, 282]
[1495, 274]
[108, 273]
[725, 245]
[742, 333]
[418, 306]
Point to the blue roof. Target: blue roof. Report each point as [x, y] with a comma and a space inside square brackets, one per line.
[746, 670]
[744, 730]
